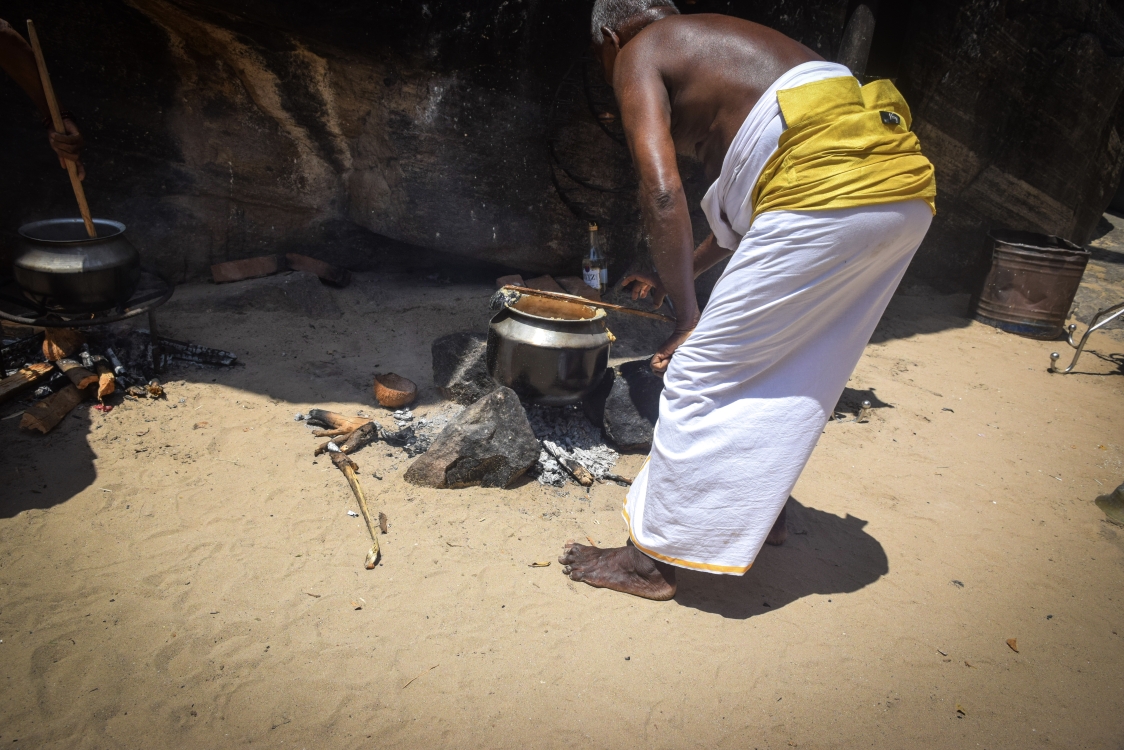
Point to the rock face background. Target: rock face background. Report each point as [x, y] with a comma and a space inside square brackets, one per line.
[405, 133]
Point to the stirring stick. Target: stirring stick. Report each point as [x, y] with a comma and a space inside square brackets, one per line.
[56, 120]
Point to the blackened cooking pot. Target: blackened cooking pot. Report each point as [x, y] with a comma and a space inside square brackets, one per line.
[548, 351]
[60, 267]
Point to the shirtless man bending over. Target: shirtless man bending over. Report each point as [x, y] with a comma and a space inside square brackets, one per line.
[721, 467]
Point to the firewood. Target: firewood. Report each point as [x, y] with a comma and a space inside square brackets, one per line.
[250, 268]
[26, 376]
[107, 381]
[514, 280]
[79, 375]
[61, 342]
[580, 474]
[348, 467]
[357, 438]
[333, 432]
[577, 286]
[332, 419]
[360, 437]
[544, 284]
[44, 415]
[328, 273]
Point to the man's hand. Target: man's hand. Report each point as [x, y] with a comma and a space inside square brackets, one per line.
[644, 284]
[68, 146]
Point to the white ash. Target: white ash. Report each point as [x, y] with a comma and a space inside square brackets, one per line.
[403, 417]
[572, 435]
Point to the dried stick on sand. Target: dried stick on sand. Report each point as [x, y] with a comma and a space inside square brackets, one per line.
[348, 467]
[336, 421]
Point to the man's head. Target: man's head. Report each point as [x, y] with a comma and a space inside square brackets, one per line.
[615, 22]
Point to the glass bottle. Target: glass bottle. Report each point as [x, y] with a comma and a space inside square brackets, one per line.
[595, 270]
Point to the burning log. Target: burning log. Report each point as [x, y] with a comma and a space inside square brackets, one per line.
[44, 415]
[79, 375]
[359, 437]
[24, 377]
[348, 467]
[580, 474]
[107, 380]
[61, 342]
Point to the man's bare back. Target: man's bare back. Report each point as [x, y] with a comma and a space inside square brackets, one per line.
[713, 68]
[685, 84]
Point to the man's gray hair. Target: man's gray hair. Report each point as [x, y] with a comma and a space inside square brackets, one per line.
[613, 13]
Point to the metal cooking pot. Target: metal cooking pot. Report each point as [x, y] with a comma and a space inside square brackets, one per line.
[60, 267]
[550, 352]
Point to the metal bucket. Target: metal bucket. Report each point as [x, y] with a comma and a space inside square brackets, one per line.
[553, 353]
[1031, 284]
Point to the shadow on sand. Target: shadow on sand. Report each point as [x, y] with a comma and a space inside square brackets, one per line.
[824, 554]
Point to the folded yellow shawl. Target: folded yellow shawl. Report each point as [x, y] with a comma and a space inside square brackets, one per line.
[844, 146]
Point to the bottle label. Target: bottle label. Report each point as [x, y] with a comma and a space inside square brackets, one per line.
[592, 277]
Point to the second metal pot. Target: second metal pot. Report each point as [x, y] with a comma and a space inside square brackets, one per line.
[552, 353]
[61, 267]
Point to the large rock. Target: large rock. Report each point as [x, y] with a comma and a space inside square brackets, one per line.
[460, 370]
[627, 405]
[489, 444]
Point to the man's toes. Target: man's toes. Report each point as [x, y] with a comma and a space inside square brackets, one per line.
[576, 575]
[566, 569]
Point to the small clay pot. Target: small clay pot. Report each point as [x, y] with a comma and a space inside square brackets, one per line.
[394, 391]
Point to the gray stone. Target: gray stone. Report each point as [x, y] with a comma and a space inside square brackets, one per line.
[490, 444]
[627, 404]
[460, 370]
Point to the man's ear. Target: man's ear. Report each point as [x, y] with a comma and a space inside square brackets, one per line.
[611, 35]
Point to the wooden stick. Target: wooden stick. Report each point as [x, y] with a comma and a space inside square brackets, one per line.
[56, 121]
[348, 467]
[591, 303]
[44, 415]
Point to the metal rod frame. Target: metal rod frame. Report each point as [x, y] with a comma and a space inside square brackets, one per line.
[1100, 320]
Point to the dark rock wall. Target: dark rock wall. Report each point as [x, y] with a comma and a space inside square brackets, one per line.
[378, 134]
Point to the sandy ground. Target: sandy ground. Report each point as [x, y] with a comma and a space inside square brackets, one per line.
[184, 574]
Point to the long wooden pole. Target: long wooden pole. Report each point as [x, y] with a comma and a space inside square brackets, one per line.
[56, 120]
[589, 302]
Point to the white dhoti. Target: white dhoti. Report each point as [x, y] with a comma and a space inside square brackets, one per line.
[748, 394]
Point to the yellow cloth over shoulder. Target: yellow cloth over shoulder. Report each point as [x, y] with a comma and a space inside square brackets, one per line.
[844, 146]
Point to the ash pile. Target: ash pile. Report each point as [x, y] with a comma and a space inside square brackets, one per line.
[566, 435]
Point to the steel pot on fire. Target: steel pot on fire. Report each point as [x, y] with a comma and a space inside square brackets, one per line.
[59, 266]
[548, 351]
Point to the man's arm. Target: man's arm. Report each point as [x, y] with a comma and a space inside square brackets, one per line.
[18, 61]
[709, 253]
[646, 116]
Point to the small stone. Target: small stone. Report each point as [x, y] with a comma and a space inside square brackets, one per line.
[460, 369]
[628, 658]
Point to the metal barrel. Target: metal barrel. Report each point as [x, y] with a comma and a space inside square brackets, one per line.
[1031, 283]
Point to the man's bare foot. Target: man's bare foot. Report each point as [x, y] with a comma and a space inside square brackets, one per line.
[779, 532]
[625, 569]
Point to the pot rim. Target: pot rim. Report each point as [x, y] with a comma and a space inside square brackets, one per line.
[27, 231]
[598, 314]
